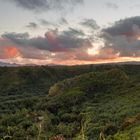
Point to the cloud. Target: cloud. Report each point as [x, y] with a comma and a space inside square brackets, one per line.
[74, 45]
[123, 37]
[53, 40]
[122, 45]
[34, 53]
[43, 5]
[111, 5]
[128, 27]
[32, 25]
[89, 23]
[9, 52]
[54, 47]
[73, 32]
[63, 21]
[46, 23]
[15, 38]
[12, 50]
[70, 44]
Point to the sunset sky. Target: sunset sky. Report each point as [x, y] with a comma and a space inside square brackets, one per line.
[69, 32]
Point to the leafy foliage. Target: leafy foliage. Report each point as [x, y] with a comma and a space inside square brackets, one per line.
[79, 102]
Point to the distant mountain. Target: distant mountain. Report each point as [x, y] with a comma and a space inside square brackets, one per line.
[2, 64]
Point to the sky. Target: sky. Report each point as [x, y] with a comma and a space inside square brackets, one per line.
[69, 32]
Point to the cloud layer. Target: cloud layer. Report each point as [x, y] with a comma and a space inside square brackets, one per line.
[54, 45]
[90, 23]
[74, 45]
[124, 37]
[41, 5]
[53, 40]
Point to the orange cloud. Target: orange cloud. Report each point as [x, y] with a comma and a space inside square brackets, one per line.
[11, 52]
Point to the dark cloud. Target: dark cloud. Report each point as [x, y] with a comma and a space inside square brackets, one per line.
[73, 32]
[90, 23]
[128, 27]
[32, 25]
[10, 48]
[33, 53]
[122, 46]
[55, 46]
[63, 21]
[111, 5]
[123, 37]
[53, 41]
[41, 5]
[46, 23]
[17, 38]
[32, 4]
[14, 37]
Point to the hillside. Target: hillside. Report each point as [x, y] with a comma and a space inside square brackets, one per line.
[18, 84]
[90, 102]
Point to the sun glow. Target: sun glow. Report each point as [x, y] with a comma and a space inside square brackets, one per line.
[11, 52]
[95, 49]
[138, 38]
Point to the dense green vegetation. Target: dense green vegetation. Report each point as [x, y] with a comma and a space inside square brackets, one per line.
[90, 102]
